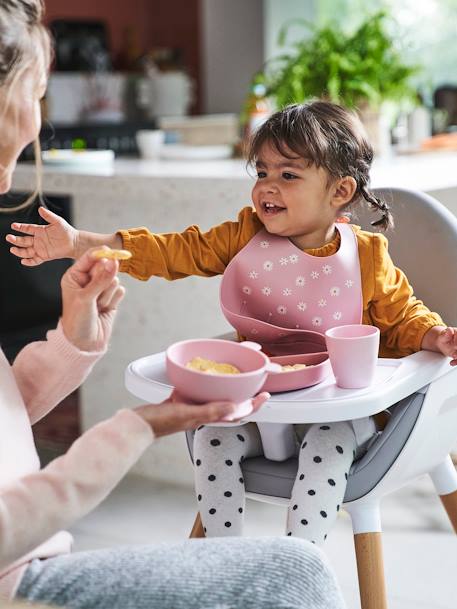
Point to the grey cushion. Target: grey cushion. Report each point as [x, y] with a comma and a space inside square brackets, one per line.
[276, 479]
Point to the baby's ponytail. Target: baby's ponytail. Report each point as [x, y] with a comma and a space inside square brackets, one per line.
[386, 220]
[361, 173]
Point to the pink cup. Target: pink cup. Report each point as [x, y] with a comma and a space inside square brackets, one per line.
[353, 352]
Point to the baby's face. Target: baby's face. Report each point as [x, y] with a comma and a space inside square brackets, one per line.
[291, 197]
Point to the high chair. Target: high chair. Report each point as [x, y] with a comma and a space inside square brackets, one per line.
[419, 390]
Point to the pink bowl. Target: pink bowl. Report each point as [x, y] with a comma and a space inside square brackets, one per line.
[319, 369]
[203, 387]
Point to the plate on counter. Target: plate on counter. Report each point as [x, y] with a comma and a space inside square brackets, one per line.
[182, 152]
[77, 157]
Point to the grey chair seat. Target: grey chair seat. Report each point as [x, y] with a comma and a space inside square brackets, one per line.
[276, 479]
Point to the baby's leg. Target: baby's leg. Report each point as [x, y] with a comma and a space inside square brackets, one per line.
[219, 484]
[326, 454]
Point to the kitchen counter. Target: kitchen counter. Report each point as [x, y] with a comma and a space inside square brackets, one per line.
[168, 196]
[425, 171]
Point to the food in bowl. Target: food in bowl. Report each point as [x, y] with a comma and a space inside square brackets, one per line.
[112, 254]
[292, 367]
[209, 366]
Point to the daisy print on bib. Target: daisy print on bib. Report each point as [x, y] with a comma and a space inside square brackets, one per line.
[289, 290]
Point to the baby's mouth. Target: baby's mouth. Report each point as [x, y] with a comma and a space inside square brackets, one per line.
[271, 209]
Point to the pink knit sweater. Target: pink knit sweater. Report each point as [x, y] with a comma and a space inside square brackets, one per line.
[36, 504]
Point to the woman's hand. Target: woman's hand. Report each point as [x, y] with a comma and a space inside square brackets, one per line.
[90, 295]
[41, 243]
[173, 415]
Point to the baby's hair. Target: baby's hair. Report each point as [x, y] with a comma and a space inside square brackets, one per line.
[327, 136]
[24, 45]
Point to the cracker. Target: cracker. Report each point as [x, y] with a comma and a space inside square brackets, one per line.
[210, 367]
[112, 254]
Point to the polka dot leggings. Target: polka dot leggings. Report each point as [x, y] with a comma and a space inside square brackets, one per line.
[325, 455]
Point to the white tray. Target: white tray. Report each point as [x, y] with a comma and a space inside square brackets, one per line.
[395, 379]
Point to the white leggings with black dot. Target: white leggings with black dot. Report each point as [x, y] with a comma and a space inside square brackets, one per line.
[325, 455]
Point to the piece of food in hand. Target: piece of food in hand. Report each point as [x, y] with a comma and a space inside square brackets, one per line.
[292, 367]
[210, 367]
[112, 254]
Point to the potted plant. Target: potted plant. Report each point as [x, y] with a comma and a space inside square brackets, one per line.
[359, 70]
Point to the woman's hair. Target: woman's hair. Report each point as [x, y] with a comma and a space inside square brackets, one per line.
[24, 45]
[327, 136]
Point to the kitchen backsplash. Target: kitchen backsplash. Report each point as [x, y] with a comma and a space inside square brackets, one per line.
[74, 97]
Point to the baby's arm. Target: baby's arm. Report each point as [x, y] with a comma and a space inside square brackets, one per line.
[57, 239]
[191, 252]
[402, 319]
[168, 255]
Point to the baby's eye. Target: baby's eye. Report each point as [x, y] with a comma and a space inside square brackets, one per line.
[289, 176]
[261, 174]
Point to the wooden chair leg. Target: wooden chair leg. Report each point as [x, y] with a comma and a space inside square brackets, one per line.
[449, 502]
[197, 529]
[370, 568]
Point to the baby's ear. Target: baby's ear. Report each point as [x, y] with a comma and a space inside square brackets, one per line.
[344, 190]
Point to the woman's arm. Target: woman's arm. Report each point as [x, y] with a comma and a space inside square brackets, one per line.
[47, 371]
[36, 506]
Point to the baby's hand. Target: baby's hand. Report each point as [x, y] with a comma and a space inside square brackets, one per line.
[41, 243]
[446, 342]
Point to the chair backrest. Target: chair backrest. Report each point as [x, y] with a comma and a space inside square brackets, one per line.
[423, 244]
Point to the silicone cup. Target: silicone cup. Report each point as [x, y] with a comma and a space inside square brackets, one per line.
[353, 352]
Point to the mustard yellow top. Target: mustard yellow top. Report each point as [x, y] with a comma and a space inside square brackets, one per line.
[388, 300]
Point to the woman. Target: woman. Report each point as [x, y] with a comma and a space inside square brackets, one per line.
[35, 563]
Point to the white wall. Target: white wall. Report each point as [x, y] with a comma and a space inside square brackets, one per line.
[232, 51]
[237, 37]
[277, 13]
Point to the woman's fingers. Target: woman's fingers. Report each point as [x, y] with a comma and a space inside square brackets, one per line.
[101, 277]
[171, 417]
[209, 413]
[260, 400]
[105, 298]
[116, 299]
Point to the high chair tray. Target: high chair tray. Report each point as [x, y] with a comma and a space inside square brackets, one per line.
[395, 379]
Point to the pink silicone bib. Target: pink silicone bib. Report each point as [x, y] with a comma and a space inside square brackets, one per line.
[285, 299]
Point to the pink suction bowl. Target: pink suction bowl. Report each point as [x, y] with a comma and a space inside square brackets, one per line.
[203, 387]
[318, 368]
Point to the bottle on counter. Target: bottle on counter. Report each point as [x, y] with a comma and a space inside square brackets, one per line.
[128, 59]
[419, 125]
[258, 107]
[256, 110]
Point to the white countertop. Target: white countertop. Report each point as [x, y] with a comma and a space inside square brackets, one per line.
[424, 171]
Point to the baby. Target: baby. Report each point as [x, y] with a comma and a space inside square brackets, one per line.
[294, 266]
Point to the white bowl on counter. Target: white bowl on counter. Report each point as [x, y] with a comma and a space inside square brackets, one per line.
[181, 152]
[73, 158]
